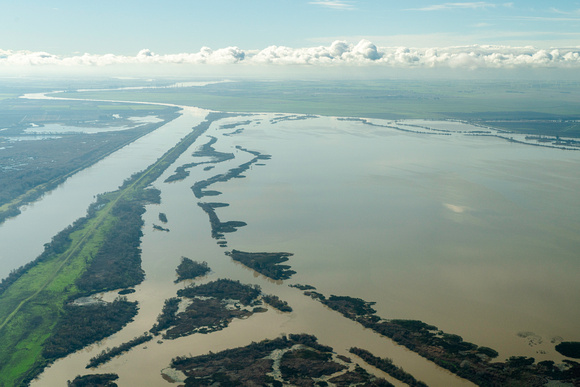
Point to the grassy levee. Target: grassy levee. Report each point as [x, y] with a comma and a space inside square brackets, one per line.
[32, 304]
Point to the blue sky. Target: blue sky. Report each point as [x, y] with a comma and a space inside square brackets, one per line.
[385, 35]
[124, 27]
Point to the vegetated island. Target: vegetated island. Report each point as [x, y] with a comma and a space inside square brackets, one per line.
[449, 351]
[267, 264]
[219, 228]
[209, 307]
[387, 366]
[206, 150]
[276, 303]
[109, 353]
[199, 188]
[97, 253]
[94, 380]
[297, 360]
[189, 269]
[569, 349]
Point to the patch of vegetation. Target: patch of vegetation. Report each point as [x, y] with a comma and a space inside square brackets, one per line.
[163, 217]
[108, 354]
[199, 188]
[96, 380]
[117, 263]
[387, 366]
[304, 362]
[206, 150]
[268, 264]
[302, 287]
[189, 269]
[569, 349]
[167, 317]
[205, 316]
[159, 228]
[83, 325]
[223, 289]
[212, 306]
[277, 303]
[349, 307]
[219, 228]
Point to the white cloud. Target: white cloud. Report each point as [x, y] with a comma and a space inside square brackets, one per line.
[339, 53]
[336, 4]
[438, 7]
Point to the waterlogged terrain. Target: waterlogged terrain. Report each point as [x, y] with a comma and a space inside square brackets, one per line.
[463, 227]
[476, 235]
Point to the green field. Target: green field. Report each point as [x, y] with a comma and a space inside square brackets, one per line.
[538, 107]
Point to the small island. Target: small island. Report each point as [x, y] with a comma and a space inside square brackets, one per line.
[268, 264]
[297, 360]
[189, 269]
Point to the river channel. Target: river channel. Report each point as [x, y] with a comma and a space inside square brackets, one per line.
[476, 235]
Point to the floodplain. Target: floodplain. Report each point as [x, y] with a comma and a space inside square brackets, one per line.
[474, 235]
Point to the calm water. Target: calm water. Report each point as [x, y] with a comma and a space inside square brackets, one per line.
[22, 238]
[477, 236]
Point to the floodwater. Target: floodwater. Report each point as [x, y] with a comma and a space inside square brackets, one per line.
[475, 235]
[86, 128]
[22, 238]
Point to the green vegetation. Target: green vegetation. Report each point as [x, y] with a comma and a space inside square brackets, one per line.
[87, 324]
[387, 366]
[223, 289]
[84, 258]
[206, 150]
[189, 269]
[108, 354]
[199, 187]
[525, 106]
[219, 228]
[96, 380]
[277, 303]
[167, 317]
[302, 287]
[210, 308]
[569, 349]
[304, 362]
[268, 264]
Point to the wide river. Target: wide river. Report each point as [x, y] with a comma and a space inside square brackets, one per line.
[476, 235]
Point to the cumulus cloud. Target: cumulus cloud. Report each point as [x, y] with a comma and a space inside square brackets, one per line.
[339, 53]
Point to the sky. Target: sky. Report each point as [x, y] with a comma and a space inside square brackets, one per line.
[381, 33]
